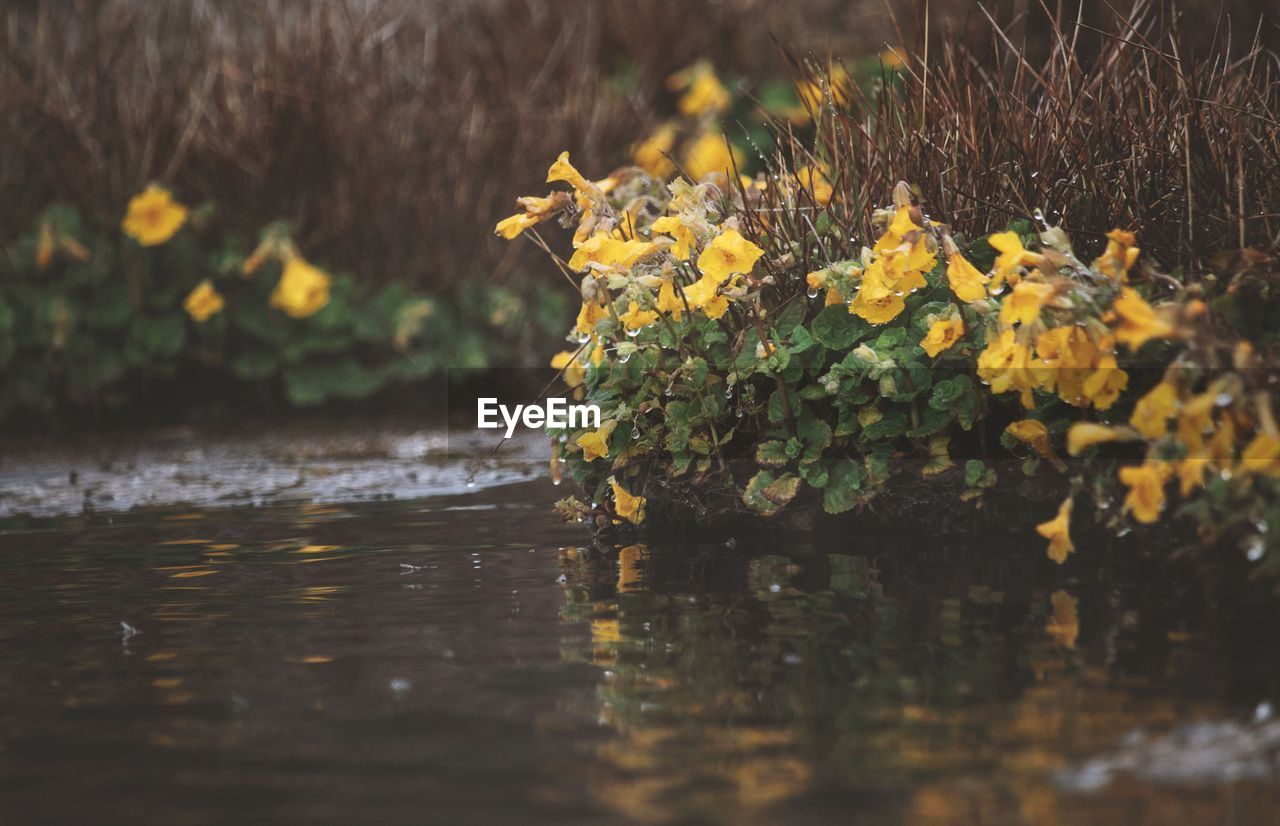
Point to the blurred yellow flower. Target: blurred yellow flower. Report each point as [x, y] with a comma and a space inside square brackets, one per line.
[813, 180]
[153, 216]
[571, 370]
[595, 444]
[1058, 531]
[1104, 384]
[1022, 306]
[203, 302]
[1139, 322]
[942, 335]
[653, 153]
[1035, 434]
[1152, 412]
[708, 154]
[1119, 256]
[1012, 256]
[628, 506]
[1146, 483]
[704, 94]
[728, 254]
[1083, 435]
[302, 291]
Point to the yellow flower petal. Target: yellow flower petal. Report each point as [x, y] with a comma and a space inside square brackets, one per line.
[153, 216]
[203, 302]
[302, 291]
[1057, 531]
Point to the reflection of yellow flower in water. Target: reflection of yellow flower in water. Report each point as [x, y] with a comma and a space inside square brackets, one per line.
[203, 302]
[302, 291]
[1057, 531]
[1064, 625]
[627, 505]
[710, 153]
[153, 216]
[595, 444]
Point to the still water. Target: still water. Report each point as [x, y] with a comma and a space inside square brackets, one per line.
[467, 659]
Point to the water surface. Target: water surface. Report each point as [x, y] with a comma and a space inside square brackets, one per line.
[467, 659]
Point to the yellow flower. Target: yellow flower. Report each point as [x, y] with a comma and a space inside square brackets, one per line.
[1012, 256]
[704, 294]
[1035, 434]
[1138, 321]
[511, 227]
[727, 255]
[1022, 306]
[899, 228]
[1191, 473]
[893, 58]
[1057, 531]
[562, 170]
[653, 153]
[1119, 256]
[628, 506]
[876, 302]
[942, 335]
[1195, 418]
[203, 302]
[1004, 364]
[813, 93]
[595, 444]
[1146, 489]
[967, 283]
[1262, 455]
[1104, 384]
[571, 370]
[635, 318]
[588, 317]
[708, 154]
[605, 251]
[153, 216]
[1066, 359]
[1083, 435]
[302, 291]
[1152, 412]
[812, 180]
[668, 301]
[673, 226]
[704, 94]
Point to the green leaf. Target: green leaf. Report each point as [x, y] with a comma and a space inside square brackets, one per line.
[767, 496]
[837, 329]
[978, 475]
[790, 317]
[844, 482]
[771, 454]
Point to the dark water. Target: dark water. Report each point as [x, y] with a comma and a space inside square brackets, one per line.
[459, 660]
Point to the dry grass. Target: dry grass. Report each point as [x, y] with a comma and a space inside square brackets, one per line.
[391, 133]
[1133, 121]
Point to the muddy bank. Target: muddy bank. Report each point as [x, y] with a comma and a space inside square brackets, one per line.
[207, 467]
